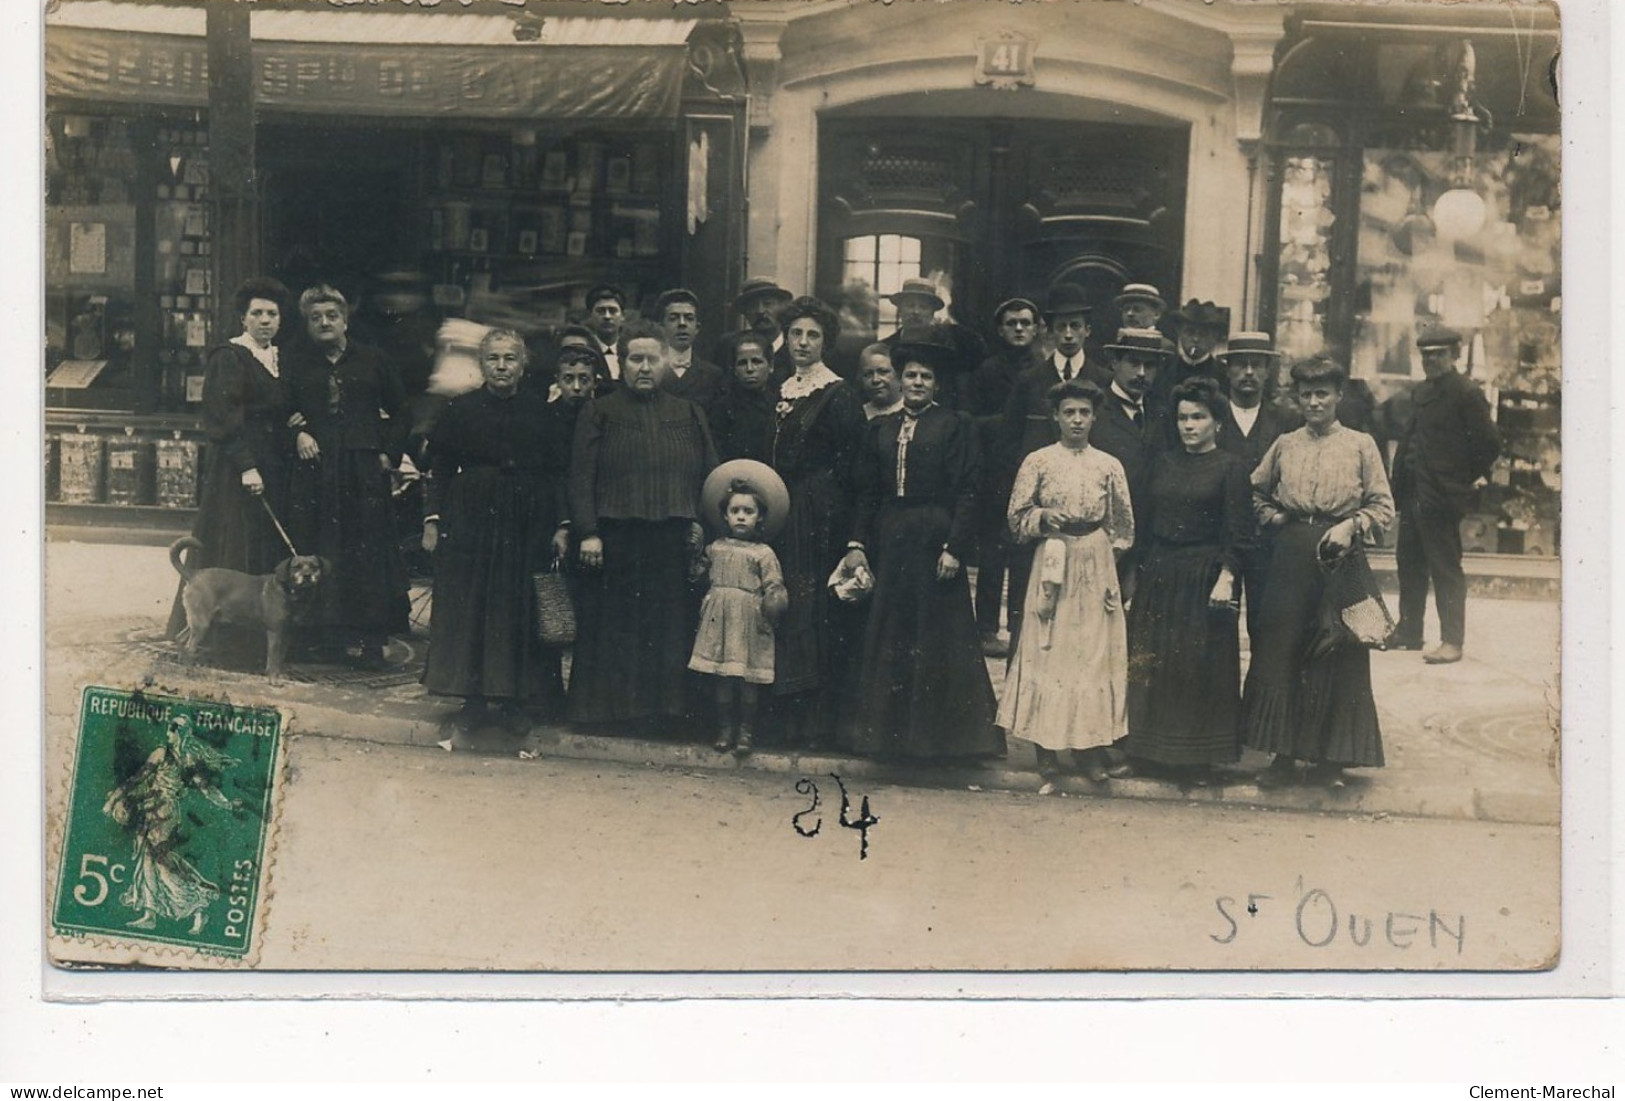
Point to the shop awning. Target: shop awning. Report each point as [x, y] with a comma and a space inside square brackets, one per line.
[387, 63]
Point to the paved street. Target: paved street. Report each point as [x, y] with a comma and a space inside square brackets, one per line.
[649, 856]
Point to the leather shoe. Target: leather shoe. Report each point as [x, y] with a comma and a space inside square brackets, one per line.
[1095, 774]
[1120, 770]
[994, 647]
[1395, 642]
[1443, 654]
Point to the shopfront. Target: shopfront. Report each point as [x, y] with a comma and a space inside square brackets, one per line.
[1414, 175]
[512, 160]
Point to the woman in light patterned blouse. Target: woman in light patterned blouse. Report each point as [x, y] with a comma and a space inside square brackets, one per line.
[1322, 484]
[1067, 686]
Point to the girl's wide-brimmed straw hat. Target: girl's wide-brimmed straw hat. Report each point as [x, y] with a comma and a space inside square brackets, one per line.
[761, 478]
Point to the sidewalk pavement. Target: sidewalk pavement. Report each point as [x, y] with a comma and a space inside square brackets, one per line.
[1475, 740]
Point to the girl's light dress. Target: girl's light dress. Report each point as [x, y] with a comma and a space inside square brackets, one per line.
[735, 638]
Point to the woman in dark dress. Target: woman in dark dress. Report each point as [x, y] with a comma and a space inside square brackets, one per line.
[923, 689]
[339, 500]
[1317, 490]
[638, 461]
[245, 410]
[1184, 687]
[494, 500]
[820, 423]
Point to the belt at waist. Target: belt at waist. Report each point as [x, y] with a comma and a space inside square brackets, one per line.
[1080, 527]
[1315, 518]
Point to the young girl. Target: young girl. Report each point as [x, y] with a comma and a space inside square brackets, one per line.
[747, 595]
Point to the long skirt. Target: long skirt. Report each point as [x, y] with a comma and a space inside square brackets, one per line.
[635, 626]
[1184, 673]
[1066, 687]
[340, 508]
[922, 687]
[494, 533]
[1313, 709]
[811, 636]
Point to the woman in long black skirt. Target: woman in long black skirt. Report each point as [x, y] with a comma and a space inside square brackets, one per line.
[494, 505]
[1184, 686]
[1317, 489]
[923, 689]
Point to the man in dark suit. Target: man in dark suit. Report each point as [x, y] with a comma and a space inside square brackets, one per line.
[1130, 427]
[1247, 432]
[917, 303]
[1016, 322]
[1027, 423]
[606, 313]
[1196, 329]
[678, 314]
[1449, 444]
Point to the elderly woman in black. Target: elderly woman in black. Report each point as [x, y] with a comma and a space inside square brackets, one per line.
[340, 505]
[1316, 491]
[819, 424]
[1184, 684]
[639, 459]
[923, 689]
[245, 409]
[494, 502]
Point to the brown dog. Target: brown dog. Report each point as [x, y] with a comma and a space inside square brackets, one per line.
[274, 600]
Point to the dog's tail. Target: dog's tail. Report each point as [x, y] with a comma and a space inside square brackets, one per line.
[178, 548]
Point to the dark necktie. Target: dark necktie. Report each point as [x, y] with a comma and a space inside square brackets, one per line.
[1066, 369]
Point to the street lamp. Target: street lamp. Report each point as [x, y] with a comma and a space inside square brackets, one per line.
[1459, 212]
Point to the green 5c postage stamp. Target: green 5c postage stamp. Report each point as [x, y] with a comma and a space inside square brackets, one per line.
[169, 823]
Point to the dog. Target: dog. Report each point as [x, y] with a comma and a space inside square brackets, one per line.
[275, 601]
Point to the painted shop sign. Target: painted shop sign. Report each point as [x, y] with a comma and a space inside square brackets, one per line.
[578, 82]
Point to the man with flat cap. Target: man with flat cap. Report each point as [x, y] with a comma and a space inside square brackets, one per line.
[917, 303]
[760, 304]
[1139, 306]
[1449, 444]
[1196, 329]
[1015, 321]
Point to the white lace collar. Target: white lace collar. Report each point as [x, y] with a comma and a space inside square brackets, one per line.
[266, 356]
[799, 385]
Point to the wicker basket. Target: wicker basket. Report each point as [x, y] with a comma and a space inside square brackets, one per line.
[555, 614]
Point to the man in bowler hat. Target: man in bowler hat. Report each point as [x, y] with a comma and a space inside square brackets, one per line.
[1449, 444]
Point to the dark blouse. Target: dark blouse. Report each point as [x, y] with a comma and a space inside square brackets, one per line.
[940, 467]
[341, 401]
[745, 423]
[244, 409]
[818, 433]
[638, 457]
[1201, 500]
[517, 435]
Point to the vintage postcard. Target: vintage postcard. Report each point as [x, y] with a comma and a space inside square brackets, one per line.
[1014, 489]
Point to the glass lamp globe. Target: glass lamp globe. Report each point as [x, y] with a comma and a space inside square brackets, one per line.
[1459, 213]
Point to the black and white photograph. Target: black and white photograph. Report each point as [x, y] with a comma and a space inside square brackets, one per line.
[1051, 488]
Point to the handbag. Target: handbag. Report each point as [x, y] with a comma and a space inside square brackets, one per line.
[1352, 608]
[555, 613]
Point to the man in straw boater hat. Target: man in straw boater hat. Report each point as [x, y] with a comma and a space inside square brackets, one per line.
[1251, 425]
[759, 305]
[1026, 423]
[1139, 306]
[918, 303]
[1448, 446]
[1015, 321]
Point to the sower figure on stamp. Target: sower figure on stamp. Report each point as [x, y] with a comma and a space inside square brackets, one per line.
[1449, 444]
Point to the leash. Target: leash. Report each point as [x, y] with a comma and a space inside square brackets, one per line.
[279, 530]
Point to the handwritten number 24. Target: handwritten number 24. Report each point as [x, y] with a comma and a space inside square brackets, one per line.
[861, 823]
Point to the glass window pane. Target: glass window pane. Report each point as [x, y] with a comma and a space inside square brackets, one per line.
[860, 250]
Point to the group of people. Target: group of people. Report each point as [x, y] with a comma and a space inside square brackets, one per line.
[1131, 505]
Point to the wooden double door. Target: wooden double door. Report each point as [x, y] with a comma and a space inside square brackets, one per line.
[992, 208]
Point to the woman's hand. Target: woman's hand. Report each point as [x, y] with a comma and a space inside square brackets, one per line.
[1052, 520]
[384, 463]
[947, 567]
[253, 482]
[296, 420]
[431, 535]
[1339, 537]
[561, 544]
[592, 552]
[305, 445]
[853, 559]
[1224, 591]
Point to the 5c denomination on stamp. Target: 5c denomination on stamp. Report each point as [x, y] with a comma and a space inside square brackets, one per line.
[168, 829]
